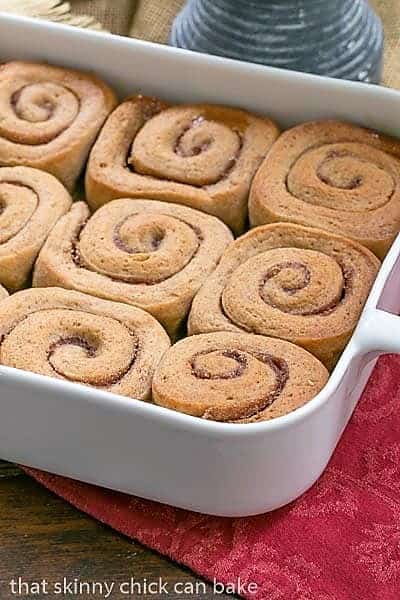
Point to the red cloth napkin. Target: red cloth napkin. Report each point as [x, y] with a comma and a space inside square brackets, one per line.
[339, 541]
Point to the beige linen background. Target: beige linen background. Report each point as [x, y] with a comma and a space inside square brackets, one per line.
[151, 20]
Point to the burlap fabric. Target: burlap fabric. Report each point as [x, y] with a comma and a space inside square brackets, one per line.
[389, 11]
[116, 16]
[151, 20]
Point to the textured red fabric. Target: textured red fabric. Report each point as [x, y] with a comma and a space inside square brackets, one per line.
[339, 541]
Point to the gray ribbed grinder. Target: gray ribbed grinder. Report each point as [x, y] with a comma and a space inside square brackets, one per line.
[338, 38]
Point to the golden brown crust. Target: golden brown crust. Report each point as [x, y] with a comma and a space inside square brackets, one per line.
[292, 282]
[150, 254]
[237, 377]
[50, 116]
[31, 202]
[202, 156]
[76, 337]
[334, 176]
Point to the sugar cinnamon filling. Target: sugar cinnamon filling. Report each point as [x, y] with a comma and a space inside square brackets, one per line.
[219, 369]
[296, 287]
[49, 107]
[150, 244]
[91, 351]
[368, 182]
[201, 372]
[194, 150]
[46, 105]
[325, 310]
[25, 213]
[153, 243]
[335, 177]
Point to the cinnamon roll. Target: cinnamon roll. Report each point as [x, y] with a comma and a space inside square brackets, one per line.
[300, 284]
[237, 377]
[334, 176]
[3, 293]
[76, 337]
[202, 156]
[154, 255]
[49, 117]
[31, 202]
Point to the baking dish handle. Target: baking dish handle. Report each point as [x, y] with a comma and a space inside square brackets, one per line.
[379, 331]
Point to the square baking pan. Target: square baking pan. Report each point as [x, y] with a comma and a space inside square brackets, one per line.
[149, 451]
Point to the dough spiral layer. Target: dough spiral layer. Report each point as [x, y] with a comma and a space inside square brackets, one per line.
[49, 117]
[334, 176]
[78, 338]
[31, 202]
[154, 255]
[202, 156]
[292, 282]
[237, 377]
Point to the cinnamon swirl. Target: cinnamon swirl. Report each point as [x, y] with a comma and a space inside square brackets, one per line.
[31, 202]
[49, 117]
[237, 377]
[296, 283]
[202, 156]
[334, 176]
[154, 255]
[78, 338]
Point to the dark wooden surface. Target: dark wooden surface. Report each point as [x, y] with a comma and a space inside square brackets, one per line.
[43, 537]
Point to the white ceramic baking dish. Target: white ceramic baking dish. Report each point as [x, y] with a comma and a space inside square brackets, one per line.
[215, 468]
